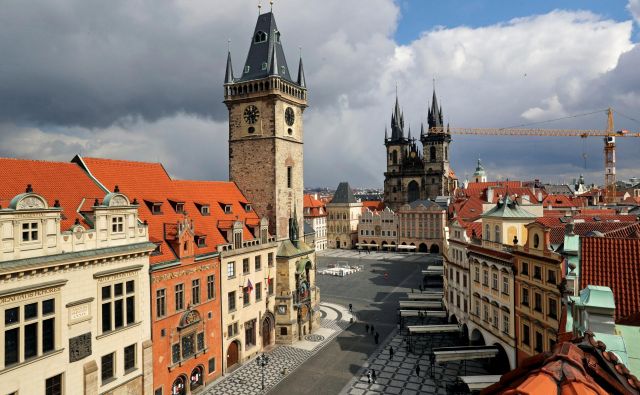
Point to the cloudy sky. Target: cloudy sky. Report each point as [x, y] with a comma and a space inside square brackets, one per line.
[142, 80]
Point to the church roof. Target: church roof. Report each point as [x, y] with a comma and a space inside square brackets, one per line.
[426, 203]
[344, 194]
[508, 208]
[265, 51]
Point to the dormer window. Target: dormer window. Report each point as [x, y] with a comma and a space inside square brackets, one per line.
[204, 209]
[264, 65]
[156, 208]
[260, 37]
[180, 208]
[30, 231]
[247, 69]
[117, 224]
[277, 36]
[228, 209]
[158, 249]
[201, 240]
[247, 207]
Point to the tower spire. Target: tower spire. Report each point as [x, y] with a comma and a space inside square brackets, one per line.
[273, 67]
[301, 80]
[228, 75]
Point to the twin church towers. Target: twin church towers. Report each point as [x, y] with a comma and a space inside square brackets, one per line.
[414, 174]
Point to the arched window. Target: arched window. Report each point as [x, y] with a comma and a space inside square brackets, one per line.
[432, 154]
[446, 153]
[536, 240]
[497, 234]
[486, 232]
[413, 191]
[260, 37]
[394, 157]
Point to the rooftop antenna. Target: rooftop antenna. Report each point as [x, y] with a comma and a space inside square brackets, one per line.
[228, 45]
[271, 3]
[259, 7]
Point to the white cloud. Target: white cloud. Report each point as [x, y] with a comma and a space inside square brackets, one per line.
[158, 64]
[634, 9]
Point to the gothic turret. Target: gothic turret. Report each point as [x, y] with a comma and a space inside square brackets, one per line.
[228, 75]
[301, 80]
[397, 124]
[435, 114]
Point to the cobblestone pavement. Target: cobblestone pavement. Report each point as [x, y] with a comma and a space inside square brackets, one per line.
[397, 375]
[247, 379]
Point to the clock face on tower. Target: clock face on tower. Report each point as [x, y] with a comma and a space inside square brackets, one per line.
[289, 116]
[251, 114]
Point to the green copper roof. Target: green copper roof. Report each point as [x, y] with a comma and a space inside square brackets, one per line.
[507, 208]
[616, 344]
[631, 336]
[597, 296]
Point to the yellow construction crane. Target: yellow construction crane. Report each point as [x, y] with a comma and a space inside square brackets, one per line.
[609, 135]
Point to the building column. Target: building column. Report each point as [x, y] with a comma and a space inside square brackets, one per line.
[90, 379]
[147, 367]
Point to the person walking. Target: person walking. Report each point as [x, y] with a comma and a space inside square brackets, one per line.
[366, 328]
[386, 275]
[376, 337]
[418, 369]
[369, 376]
[373, 375]
[350, 308]
[371, 329]
[390, 352]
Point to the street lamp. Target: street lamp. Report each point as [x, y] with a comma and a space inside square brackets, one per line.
[262, 361]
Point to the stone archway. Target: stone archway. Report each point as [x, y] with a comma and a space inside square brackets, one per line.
[179, 386]
[476, 338]
[453, 319]
[465, 333]
[423, 248]
[413, 191]
[233, 353]
[268, 327]
[196, 380]
[500, 363]
[434, 249]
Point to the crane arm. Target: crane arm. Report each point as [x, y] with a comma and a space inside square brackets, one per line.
[536, 132]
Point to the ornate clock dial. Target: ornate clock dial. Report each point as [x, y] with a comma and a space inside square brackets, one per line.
[251, 114]
[289, 116]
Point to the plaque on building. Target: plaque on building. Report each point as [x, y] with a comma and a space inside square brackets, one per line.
[79, 347]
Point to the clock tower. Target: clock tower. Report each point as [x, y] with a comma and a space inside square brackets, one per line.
[265, 128]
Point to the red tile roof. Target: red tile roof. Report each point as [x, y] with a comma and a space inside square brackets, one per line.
[580, 367]
[478, 189]
[583, 228]
[313, 207]
[466, 209]
[373, 205]
[625, 232]
[61, 181]
[151, 182]
[562, 201]
[613, 263]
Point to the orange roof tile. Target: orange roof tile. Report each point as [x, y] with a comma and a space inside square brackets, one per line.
[478, 189]
[373, 205]
[466, 209]
[144, 180]
[313, 207]
[580, 367]
[60, 181]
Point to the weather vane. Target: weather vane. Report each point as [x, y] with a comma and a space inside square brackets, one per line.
[259, 6]
[271, 3]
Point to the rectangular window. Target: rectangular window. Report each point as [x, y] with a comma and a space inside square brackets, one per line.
[505, 323]
[195, 291]
[551, 277]
[288, 176]
[48, 335]
[458, 300]
[211, 287]
[231, 269]
[486, 312]
[29, 231]
[204, 210]
[257, 263]
[464, 280]
[53, 385]
[231, 298]
[130, 357]
[525, 268]
[505, 285]
[270, 282]
[250, 333]
[232, 329]
[188, 346]
[457, 277]
[200, 341]
[495, 317]
[179, 296]
[175, 352]
[553, 309]
[525, 297]
[245, 266]
[485, 278]
[270, 259]
[465, 305]
[212, 365]
[538, 342]
[258, 291]
[525, 334]
[11, 344]
[495, 281]
[106, 367]
[30, 340]
[179, 208]
[156, 208]
[477, 274]
[537, 272]
[537, 303]
[118, 305]
[117, 224]
[161, 303]
[246, 296]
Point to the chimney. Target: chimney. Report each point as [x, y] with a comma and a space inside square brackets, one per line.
[489, 195]
[540, 196]
[569, 229]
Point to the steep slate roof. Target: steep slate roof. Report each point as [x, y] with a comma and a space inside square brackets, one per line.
[343, 194]
[580, 367]
[60, 181]
[149, 182]
[507, 208]
[613, 262]
[264, 52]
[426, 203]
[558, 189]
